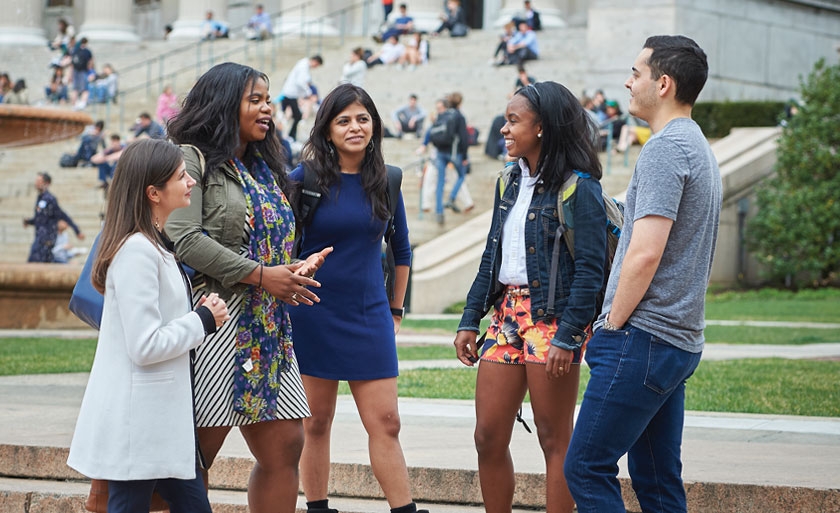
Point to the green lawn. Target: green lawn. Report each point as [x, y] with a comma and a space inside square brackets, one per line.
[771, 385]
[776, 386]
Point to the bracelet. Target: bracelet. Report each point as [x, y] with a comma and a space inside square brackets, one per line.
[260, 283]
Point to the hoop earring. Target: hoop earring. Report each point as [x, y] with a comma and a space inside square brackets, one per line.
[370, 146]
[331, 149]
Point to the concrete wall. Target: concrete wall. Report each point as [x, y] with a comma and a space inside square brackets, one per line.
[757, 49]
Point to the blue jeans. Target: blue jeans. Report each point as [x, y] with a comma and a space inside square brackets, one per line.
[183, 495]
[634, 404]
[442, 159]
[106, 171]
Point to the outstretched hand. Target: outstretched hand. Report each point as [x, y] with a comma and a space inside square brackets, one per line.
[286, 284]
[314, 262]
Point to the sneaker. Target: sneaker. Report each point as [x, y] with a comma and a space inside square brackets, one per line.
[451, 205]
[440, 219]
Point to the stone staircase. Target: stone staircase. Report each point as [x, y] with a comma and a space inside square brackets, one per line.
[455, 65]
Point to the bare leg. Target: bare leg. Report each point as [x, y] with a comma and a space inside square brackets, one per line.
[553, 402]
[210, 439]
[276, 445]
[315, 460]
[500, 389]
[376, 401]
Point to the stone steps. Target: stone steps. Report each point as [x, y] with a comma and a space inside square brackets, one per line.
[456, 64]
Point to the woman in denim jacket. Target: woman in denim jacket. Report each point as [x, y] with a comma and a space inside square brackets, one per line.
[534, 342]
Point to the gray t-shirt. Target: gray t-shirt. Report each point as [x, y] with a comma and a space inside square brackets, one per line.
[676, 177]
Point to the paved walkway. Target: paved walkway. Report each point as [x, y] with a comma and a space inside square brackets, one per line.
[718, 448]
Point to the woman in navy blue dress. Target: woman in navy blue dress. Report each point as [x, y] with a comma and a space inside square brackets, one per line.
[350, 334]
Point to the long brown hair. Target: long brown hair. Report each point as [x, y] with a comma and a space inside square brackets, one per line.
[143, 163]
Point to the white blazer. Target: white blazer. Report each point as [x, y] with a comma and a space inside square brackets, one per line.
[136, 419]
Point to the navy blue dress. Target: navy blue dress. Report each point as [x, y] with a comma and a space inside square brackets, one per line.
[349, 335]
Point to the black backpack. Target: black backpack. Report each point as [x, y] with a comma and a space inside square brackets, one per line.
[444, 130]
[310, 196]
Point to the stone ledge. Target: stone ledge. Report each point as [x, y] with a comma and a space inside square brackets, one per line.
[35, 296]
[434, 485]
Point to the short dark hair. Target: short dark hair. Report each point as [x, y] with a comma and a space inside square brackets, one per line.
[682, 59]
[403, 6]
[99, 124]
[45, 177]
[318, 59]
[412, 96]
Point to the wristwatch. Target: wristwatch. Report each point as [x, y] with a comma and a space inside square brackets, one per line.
[398, 312]
[610, 326]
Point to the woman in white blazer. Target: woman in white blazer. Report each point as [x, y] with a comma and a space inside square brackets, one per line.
[135, 427]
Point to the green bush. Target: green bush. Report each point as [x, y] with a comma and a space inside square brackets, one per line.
[717, 119]
[796, 232]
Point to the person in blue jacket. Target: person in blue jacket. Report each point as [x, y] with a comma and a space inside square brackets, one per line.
[350, 334]
[45, 220]
[541, 312]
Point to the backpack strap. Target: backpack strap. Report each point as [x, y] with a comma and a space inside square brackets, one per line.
[201, 163]
[389, 263]
[308, 201]
[565, 231]
[395, 175]
[310, 195]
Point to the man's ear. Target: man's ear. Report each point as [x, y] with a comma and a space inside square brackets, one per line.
[667, 86]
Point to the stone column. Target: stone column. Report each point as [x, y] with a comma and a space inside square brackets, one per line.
[191, 15]
[109, 20]
[21, 23]
[310, 19]
[551, 11]
[426, 13]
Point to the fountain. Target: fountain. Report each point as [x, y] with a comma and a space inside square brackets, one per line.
[23, 125]
[36, 295]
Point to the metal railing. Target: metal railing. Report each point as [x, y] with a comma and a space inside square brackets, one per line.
[167, 67]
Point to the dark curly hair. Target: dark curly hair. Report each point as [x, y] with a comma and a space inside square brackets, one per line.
[209, 120]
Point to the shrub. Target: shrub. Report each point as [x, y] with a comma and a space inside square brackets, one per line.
[716, 119]
[796, 232]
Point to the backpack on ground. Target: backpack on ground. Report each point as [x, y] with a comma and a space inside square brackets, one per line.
[68, 160]
[566, 229]
[310, 196]
[444, 130]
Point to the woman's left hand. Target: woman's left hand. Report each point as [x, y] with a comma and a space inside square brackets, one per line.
[559, 362]
[314, 262]
[397, 323]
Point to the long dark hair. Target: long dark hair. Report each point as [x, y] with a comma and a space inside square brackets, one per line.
[143, 163]
[323, 159]
[209, 120]
[568, 134]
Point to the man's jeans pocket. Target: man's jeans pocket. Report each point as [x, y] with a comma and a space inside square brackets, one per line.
[668, 366]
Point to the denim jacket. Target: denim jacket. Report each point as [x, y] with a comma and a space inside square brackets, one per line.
[579, 280]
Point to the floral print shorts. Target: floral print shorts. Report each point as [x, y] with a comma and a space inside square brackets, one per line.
[513, 337]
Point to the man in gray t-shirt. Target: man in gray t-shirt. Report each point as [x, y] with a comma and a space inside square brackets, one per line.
[649, 338]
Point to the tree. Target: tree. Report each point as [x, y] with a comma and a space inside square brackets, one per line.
[796, 232]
